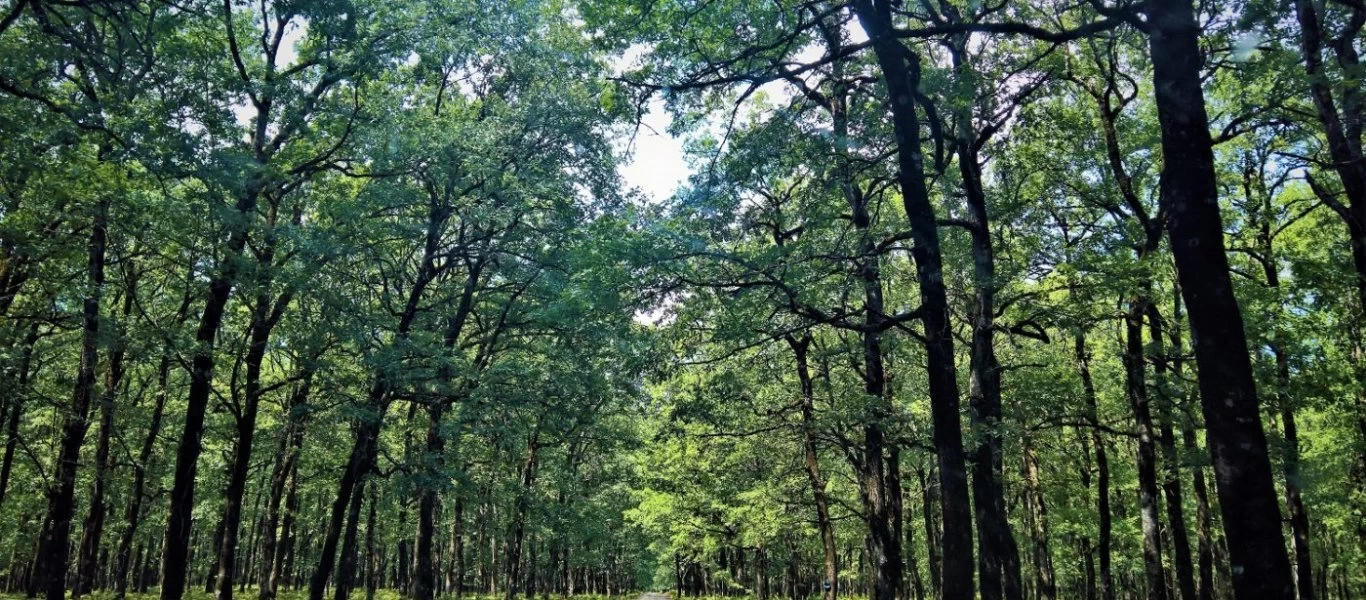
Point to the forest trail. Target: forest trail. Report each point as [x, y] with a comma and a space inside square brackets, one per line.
[653, 596]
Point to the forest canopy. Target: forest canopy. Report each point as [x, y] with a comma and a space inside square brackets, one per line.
[957, 299]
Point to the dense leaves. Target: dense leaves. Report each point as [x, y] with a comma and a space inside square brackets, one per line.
[959, 299]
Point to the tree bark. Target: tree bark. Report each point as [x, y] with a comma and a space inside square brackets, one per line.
[519, 516]
[900, 71]
[1045, 585]
[424, 576]
[800, 347]
[998, 556]
[176, 548]
[286, 459]
[283, 566]
[1136, 387]
[1171, 461]
[1103, 542]
[51, 561]
[16, 408]
[93, 530]
[367, 428]
[137, 495]
[346, 564]
[1189, 193]
[371, 558]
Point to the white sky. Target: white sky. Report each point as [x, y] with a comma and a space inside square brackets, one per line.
[656, 164]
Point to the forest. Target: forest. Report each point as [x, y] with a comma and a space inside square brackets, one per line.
[955, 299]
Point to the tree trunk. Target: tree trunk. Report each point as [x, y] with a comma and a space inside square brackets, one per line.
[16, 408]
[813, 467]
[900, 71]
[458, 548]
[346, 564]
[998, 557]
[176, 548]
[1232, 418]
[1171, 471]
[424, 574]
[424, 577]
[1045, 579]
[137, 495]
[1140, 402]
[51, 562]
[1107, 582]
[93, 531]
[363, 451]
[371, 558]
[282, 567]
[1189, 193]
[266, 313]
[929, 495]
[286, 455]
[519, 517]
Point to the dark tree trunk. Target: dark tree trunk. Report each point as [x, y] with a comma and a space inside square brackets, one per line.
[282, 568]
[424, 576]
[1171, 461]
[51, 562]
[519, 516]
[213, 564]
[1261, 215]
[1045, 584]
[350, 550]
[1204, 539]
[1343, 132]
[367, 428]
[267, 310]
[900, 71]
[286, 457]
[1137, 388]
[884, 543]
[424, 573]
[1189, 193]
[239, 468]
[137, 494]
[176, 548]
[800, 346]
[1299, 516]
[458, 548]
[998, 556]
[1103, 544]
[371, 556]
[93, 531]
[929, 496]
[16, 408]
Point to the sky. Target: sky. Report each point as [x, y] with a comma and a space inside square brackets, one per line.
[656, 164]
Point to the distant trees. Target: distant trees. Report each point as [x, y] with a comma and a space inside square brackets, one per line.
[346, 296]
